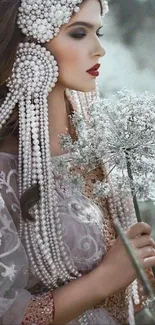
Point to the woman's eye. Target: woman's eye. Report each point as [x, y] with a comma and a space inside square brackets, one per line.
[81, 34]
[100, 34]
[78, 35]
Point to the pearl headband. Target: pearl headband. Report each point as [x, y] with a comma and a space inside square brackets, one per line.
[42, 19]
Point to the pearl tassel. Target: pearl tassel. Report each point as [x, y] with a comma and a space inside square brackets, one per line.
[135, 293]
[37, 165]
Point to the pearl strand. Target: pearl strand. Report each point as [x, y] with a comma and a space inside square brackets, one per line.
[50, 262]
[52, 201]
[35, 257]
[38, 246]
[20, 155]
[51, 242]
[25, 166]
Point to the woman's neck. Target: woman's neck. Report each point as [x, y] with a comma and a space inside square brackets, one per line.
[58, 118]
[57, 110]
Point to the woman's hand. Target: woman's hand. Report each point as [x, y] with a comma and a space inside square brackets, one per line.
[116, 263]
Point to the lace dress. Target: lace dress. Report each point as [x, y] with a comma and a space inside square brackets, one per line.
[85, 223]
[13, 260]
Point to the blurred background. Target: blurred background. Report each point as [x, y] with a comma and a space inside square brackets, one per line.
[129, 40]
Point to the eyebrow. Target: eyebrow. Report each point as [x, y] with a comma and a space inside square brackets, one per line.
[82, 23]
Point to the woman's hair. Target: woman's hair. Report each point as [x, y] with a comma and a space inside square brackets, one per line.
[10, 37]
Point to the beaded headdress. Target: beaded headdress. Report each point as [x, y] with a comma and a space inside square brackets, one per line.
[42, 19]
[34, 75]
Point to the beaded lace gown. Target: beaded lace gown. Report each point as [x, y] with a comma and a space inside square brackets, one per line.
[87, 234]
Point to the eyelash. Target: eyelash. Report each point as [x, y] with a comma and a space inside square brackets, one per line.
[80, 35]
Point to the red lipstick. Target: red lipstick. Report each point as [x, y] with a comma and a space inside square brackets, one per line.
[94, 70]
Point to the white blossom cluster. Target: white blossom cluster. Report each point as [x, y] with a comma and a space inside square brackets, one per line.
[84, 152]
[120, 133]
[127, 124]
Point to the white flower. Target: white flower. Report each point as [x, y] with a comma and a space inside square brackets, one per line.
[2, 179]
[121, 135]
[76, 182]
[101, 189]
[2, 204]
[127, 124]
[9, 272]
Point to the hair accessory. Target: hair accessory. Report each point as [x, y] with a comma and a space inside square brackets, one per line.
[35, 71]
[42, 19]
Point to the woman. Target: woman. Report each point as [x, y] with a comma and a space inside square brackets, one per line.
[77, 272]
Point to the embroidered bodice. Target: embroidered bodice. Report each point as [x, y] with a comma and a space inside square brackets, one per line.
[88, 232]
[82, 225]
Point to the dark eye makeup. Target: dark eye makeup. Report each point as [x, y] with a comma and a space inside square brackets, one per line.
[81, 33]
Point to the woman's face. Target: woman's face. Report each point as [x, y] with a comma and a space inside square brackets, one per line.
[77, 48]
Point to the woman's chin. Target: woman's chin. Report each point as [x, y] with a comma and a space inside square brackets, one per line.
[87, 87]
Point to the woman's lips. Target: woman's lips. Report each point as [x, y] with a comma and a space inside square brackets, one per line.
[94, 73]
[94, 70]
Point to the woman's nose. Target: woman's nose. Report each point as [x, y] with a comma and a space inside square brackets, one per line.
[103, 51]
[99, 50]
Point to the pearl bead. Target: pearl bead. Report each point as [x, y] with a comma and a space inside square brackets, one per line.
[43, 19]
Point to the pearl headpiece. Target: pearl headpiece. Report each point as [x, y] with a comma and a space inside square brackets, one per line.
[42, 19]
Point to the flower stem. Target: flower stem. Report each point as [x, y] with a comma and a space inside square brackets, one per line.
[135, 202]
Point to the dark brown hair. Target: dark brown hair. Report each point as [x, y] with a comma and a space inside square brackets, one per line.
[10, 37]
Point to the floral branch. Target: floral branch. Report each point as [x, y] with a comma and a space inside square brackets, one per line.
[134, 197]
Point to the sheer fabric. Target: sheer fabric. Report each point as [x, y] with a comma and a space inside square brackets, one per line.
[13, 260]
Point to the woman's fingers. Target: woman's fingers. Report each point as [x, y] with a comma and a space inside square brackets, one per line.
[145, 252]
[143, 241]
[138, 229]
[149, 262]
